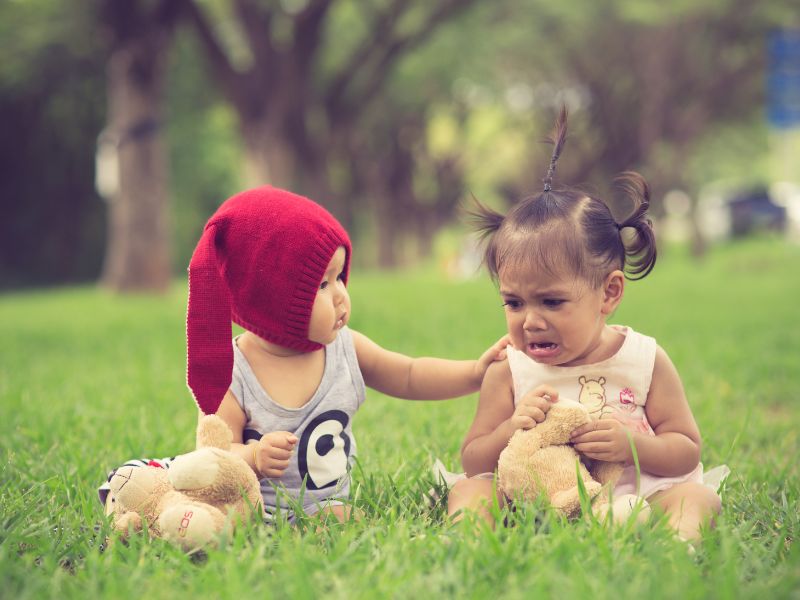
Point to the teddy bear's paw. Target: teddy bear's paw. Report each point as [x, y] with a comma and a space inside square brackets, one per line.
[623, 508]
[195, 470]
[567, 501]
[191, 526]
[127, 522]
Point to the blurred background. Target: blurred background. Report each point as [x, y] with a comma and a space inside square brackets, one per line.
[125, 123]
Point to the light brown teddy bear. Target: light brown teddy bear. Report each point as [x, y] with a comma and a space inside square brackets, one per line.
[540, 461]
[203, 493]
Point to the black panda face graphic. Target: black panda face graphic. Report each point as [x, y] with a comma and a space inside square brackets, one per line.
[324, 450]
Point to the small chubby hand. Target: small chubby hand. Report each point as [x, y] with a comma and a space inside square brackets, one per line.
[496, 352]
[605, 439]
[532, 407]
[272, 453]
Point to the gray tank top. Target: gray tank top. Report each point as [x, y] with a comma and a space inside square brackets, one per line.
[326, 447]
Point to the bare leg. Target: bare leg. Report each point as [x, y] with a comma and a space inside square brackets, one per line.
[475, 496]
[334, 516]
[688, 506]
[340, 512]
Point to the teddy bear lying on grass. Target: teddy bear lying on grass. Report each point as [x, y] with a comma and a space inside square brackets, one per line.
[201, 496]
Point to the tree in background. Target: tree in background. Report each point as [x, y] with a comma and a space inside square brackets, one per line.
[52, 106]
[651, 79]
[301, 75]
[138, 249]
[389, 111]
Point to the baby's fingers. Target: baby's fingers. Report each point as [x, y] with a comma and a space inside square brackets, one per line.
[275, 469]
[519, 421]
[594, 426]
[282, 439]
[278, 454]
[589, 437]
[534, 412]
[542, 396]
[598, 451]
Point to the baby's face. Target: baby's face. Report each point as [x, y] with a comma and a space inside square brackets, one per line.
[555, 320]
[331, 309]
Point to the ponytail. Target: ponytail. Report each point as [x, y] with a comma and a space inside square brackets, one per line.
[566, 230]
[557, 138]
[640, 250]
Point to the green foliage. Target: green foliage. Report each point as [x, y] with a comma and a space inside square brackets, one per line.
[52, 102]
[205, 152]
[88, 380]
[481, 89]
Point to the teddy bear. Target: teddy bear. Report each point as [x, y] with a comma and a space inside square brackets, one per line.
[541, 461]
[203, 493]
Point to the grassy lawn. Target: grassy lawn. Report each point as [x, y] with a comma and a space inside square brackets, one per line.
[88, 380]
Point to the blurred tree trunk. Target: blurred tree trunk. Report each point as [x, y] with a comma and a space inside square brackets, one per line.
[415, 193]
[138, 245]
[297, 122]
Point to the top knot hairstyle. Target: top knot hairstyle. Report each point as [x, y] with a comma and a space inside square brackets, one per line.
[563, 229]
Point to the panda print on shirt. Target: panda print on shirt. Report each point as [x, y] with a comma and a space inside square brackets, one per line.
[323, 451]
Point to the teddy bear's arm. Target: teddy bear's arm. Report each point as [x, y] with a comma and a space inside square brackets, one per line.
[127, 522]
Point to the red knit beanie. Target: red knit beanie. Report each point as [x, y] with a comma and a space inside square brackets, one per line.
[259, 263]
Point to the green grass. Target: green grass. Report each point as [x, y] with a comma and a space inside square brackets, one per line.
[88, 380]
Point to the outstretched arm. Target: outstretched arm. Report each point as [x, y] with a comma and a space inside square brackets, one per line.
[424, 378]
[673, 451]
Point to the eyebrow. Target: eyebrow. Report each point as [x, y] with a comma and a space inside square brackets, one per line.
[540, 294]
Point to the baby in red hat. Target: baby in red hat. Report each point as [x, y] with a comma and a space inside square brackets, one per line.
[277, 264]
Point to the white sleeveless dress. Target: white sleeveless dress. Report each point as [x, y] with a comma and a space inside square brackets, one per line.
[614, 388]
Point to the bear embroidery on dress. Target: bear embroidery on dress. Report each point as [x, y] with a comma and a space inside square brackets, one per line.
[593, 396]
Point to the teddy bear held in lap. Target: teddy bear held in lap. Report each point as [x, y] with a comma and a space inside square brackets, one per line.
[540, 461]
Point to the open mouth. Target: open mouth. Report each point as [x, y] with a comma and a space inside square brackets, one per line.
[542, 350]
[542, 346]
[341, 321]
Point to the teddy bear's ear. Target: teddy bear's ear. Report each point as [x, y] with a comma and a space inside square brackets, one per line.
[213, 432]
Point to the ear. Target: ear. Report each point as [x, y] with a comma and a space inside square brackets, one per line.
[613, 289]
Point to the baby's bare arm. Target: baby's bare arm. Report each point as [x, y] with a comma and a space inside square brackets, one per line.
[492, 426]
[675, 449]
[423, 378]
[270, 456]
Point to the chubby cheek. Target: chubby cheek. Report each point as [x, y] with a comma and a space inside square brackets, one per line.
[346, 303]
[322, 319]
[515, 331]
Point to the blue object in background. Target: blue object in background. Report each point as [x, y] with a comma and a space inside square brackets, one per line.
[753, 210]
[783, 78]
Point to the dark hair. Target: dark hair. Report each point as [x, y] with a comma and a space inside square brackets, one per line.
[564, 227]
